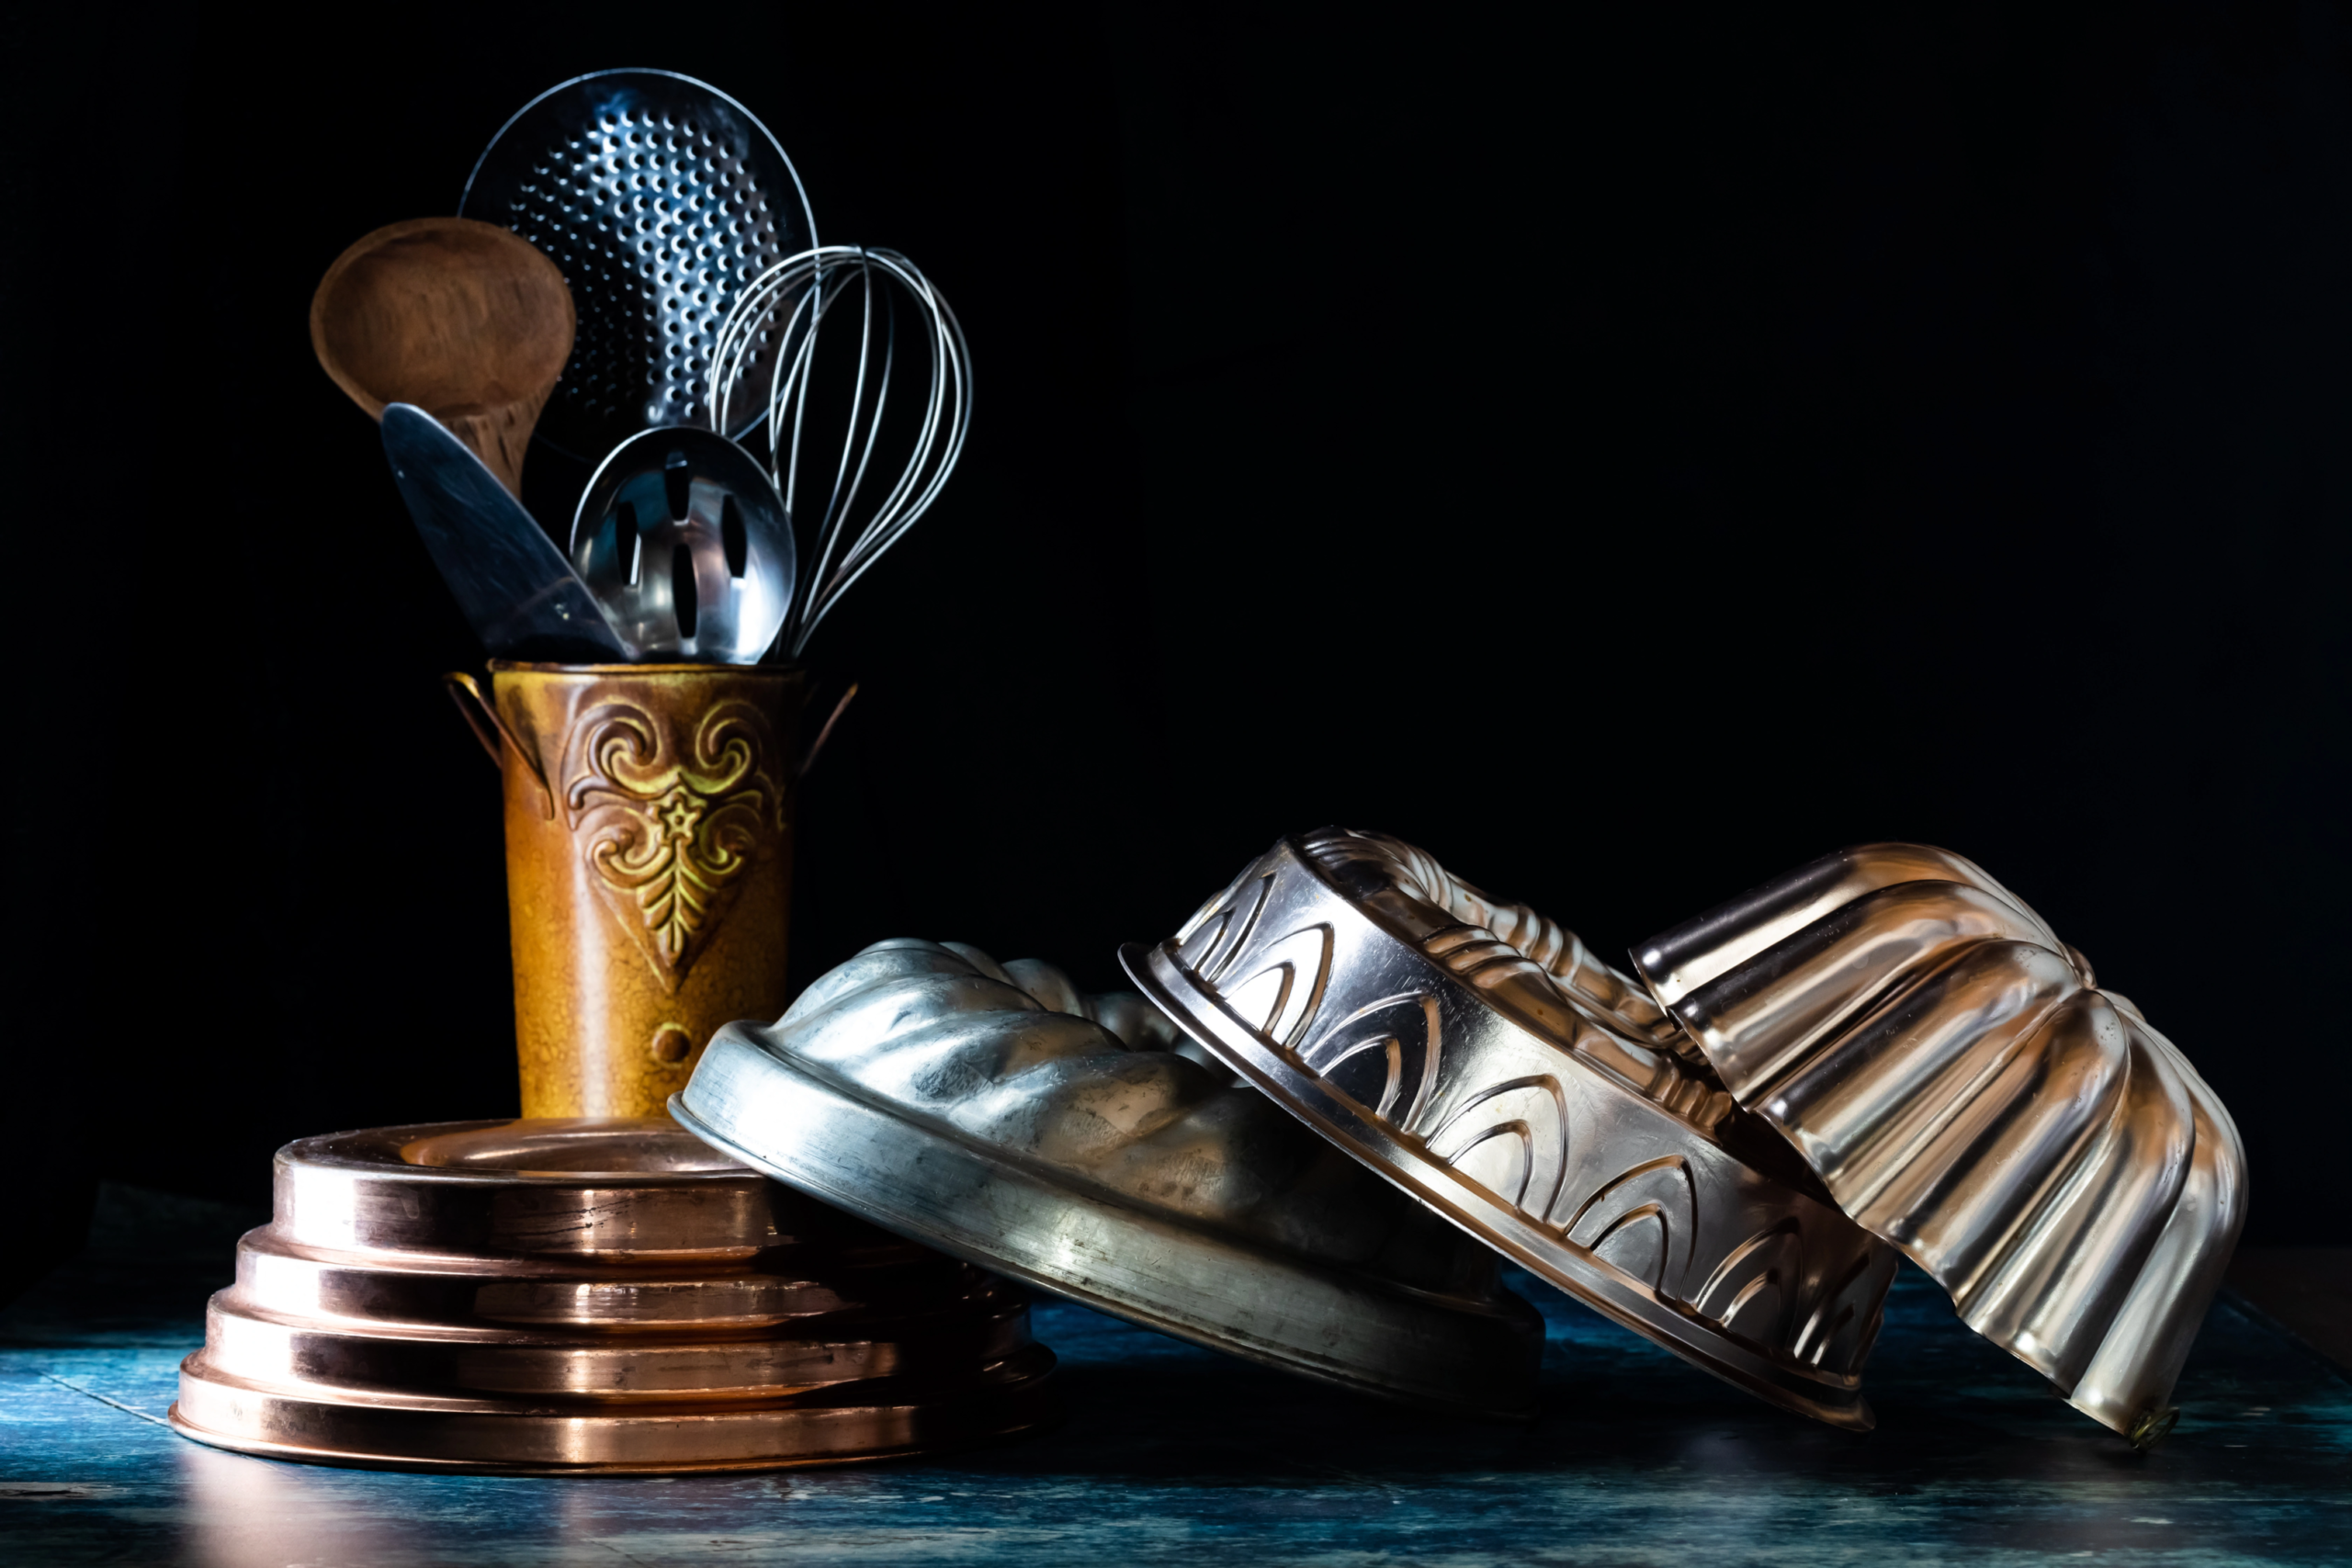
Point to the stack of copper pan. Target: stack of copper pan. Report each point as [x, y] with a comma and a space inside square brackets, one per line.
[590, 1296]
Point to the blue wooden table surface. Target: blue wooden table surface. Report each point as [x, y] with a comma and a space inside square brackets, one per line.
[1175, 1454]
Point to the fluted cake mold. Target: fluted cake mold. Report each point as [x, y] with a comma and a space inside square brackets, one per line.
[1478, 1056]
[997, 1115]
[1952, 1071]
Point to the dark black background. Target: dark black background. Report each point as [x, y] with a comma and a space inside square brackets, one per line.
[1628, 455]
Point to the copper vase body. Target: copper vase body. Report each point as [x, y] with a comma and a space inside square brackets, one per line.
[649, 870]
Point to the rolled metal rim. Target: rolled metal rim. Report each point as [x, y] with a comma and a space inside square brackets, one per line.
[1443, 965]
[364, 1191]
[868, 1421]
[1953, 1074]
[1613, 1294]
[472, 1368]
[419, 1301]
[1336, 1325]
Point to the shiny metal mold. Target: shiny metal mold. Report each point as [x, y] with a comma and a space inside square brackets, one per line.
[1950, 1069]
[991, 1111]
[562, 1297]
[1475, 1055]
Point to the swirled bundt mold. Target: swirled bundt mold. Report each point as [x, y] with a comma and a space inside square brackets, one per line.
[996, 1113]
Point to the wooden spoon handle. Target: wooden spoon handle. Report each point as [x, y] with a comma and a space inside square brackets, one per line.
[499, 435]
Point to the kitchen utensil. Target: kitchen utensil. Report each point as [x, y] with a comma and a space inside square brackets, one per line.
[659, 197]
[648, 866]
[586, 1297]
[925, 1087]
[1953, 1072]
[1501, 1081]
[466, 321]
[683, 541]
[516, 590]
[776, 325]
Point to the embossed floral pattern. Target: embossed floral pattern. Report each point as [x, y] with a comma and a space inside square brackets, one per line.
[669, 826]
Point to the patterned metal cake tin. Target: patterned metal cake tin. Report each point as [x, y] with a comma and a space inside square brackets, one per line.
[1475, 1055]
[995, 1113]
[1952, 1071]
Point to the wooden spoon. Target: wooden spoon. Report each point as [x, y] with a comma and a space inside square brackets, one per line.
[468, 321]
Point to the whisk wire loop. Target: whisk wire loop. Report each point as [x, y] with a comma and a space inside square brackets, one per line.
[782, 314]
[837, 503]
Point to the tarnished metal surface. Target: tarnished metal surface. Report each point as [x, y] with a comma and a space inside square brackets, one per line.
[1952, 1071]
[984, 1110]
[583, 1296]
[1475, 1055]
[648, 868]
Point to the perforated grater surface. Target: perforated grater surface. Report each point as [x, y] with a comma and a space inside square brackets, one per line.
[659, 197]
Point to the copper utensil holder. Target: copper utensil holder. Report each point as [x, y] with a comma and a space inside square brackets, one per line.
[648, 866]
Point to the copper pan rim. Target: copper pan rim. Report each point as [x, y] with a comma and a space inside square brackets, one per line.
[347, 1360]
[1014, 1399]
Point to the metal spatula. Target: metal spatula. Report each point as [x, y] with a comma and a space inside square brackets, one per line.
[516, 590]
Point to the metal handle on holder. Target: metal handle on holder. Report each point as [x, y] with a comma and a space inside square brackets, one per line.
[808, 758]
[473, 708]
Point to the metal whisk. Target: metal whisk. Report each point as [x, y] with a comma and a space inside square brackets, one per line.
[776, 321]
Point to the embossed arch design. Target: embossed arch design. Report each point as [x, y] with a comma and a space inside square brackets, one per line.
[1543, 1118]
[1642, 1222]
[1383, 1055]
[1284, 986]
